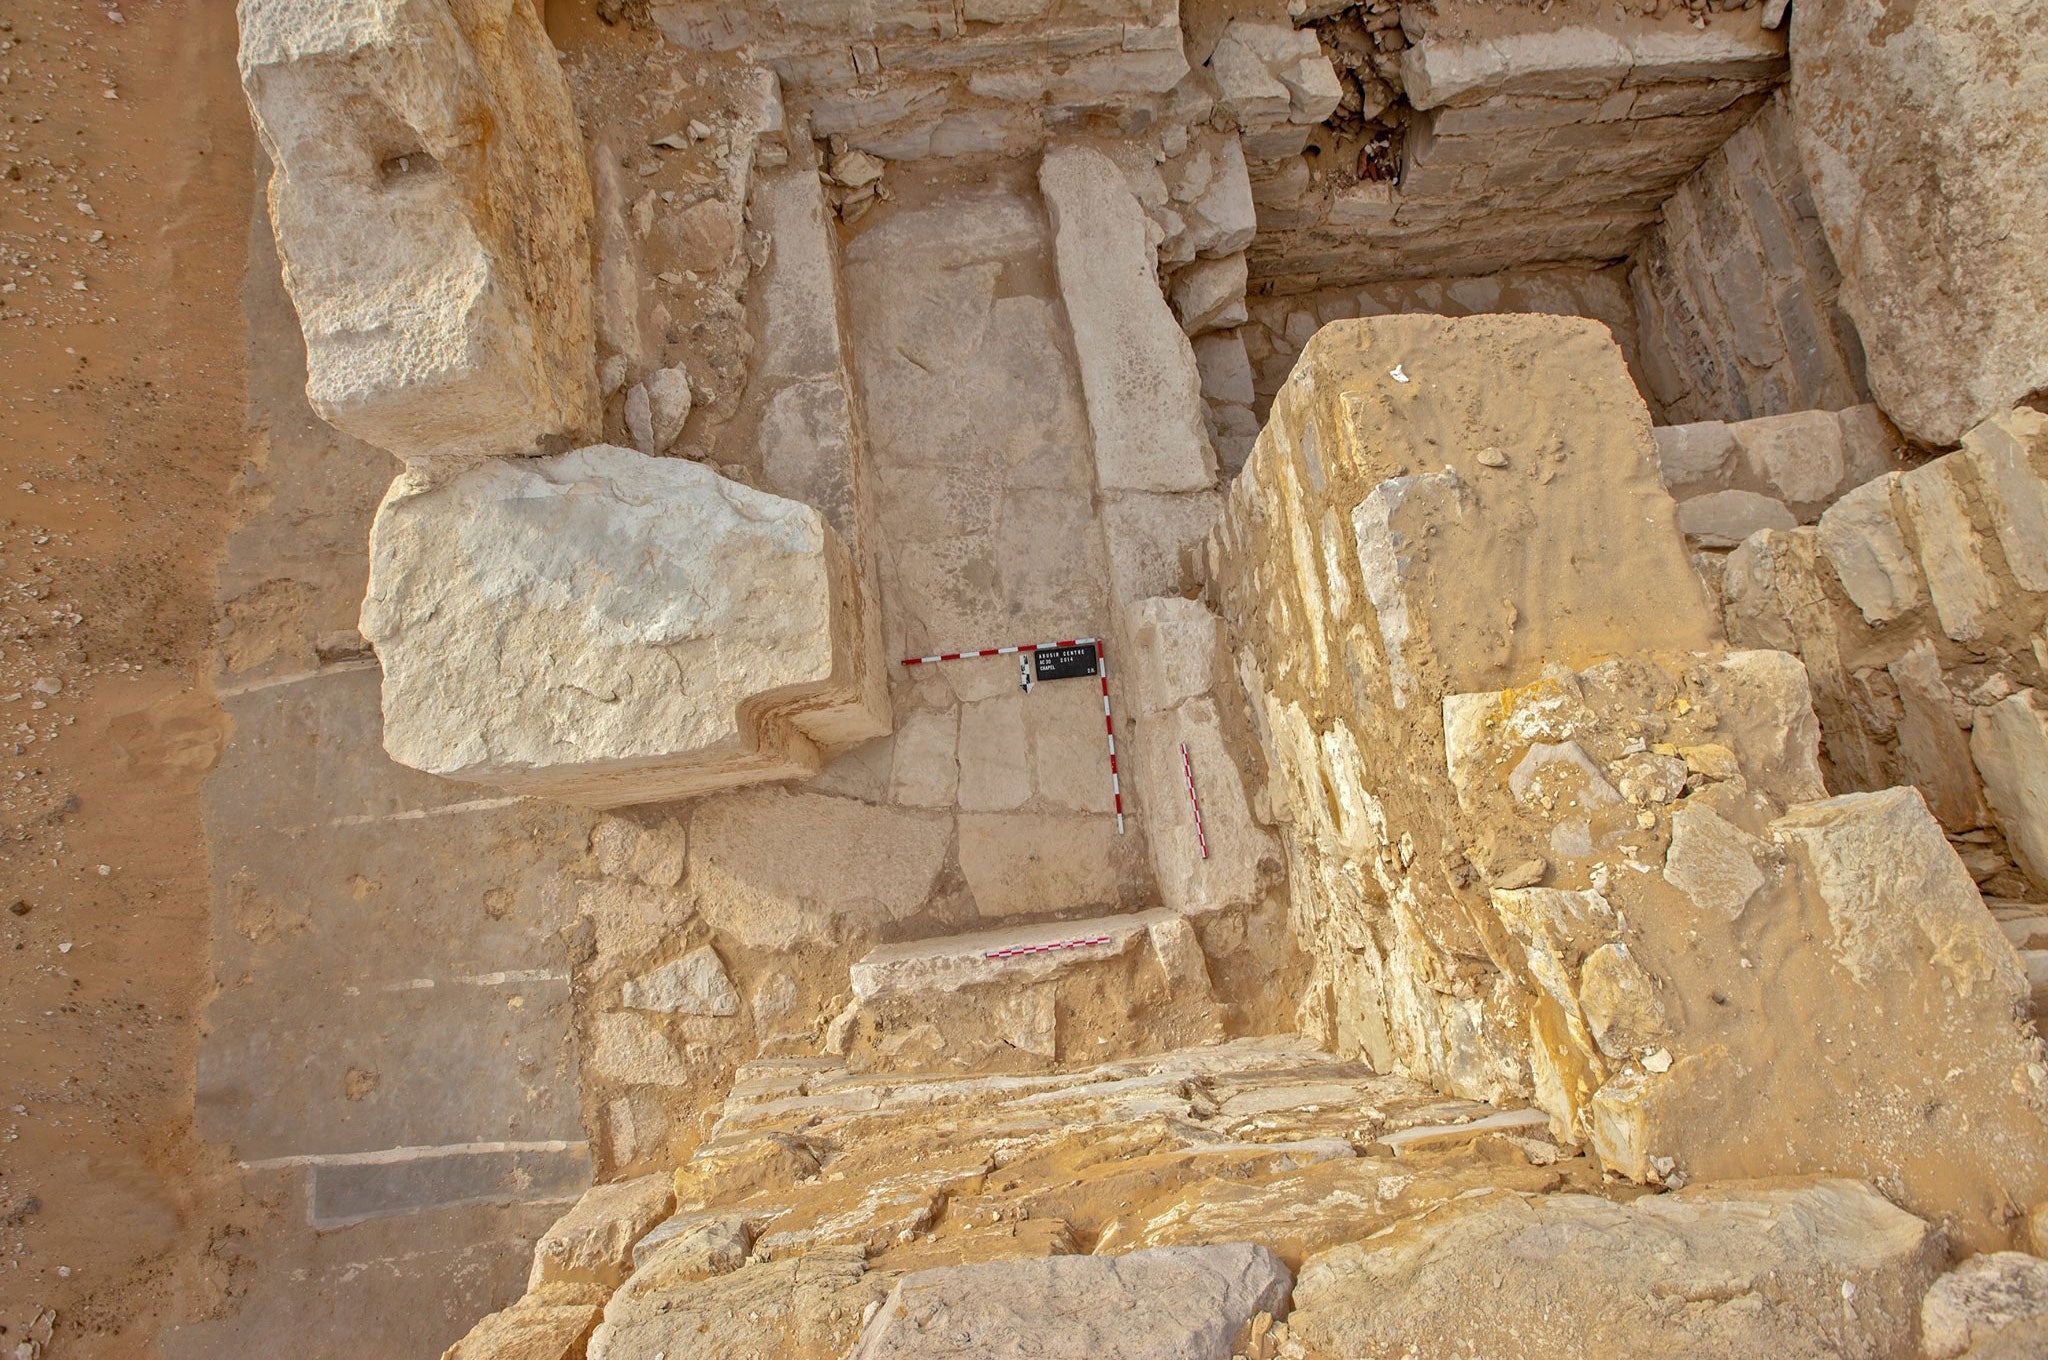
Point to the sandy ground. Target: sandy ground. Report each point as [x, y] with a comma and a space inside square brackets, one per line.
[124, 196]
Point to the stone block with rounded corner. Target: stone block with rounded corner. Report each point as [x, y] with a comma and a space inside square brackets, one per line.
[608, 629]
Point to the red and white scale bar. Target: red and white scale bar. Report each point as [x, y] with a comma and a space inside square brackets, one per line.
[1187, 767]
[1016, 950]
[1116, 787]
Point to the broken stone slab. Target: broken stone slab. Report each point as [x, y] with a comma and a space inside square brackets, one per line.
[607, 629]
[1951, 308]
[593, 1242]
[696, 984]
[1799, 456]
[1979, 1298]
[1138, 374]
[432, 210]
[1192, 1303]
[1722, 519]
[1934, 754]
[1226, 369]
[1243, 857]
[1711, 861]
[529, 1331]
[1862, 540]
[796, 1305]
[2009, 746]
[1435, 1137]
[1739, 1269]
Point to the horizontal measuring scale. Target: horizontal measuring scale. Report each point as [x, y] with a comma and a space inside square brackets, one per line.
[1067, 659]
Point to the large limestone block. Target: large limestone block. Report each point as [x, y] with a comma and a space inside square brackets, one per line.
[1863, 542]
[1922, 133]
[2007, 454]
[1767, 1269]
[432, 212]
[593, 1242]
[1959, 580]
[2009, 746]
[1138, 375]
[1980, 1298]
[529, 1331]
[1191, 1303]
[608, 628]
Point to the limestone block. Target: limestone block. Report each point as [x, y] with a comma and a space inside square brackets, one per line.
[1952, 307]
[608, 628]
[1782, 1257]
[995, 769]
[1195, 1302]
[1006, 956]
[776, 868]
[1243, 856]
[1031, 864]
[924, 766]
[1156, 541]
[696, 984]
[1862, 540]
[1722, 519]
[1951, 550]
[1223, 219]
[627, 1048]
[1933, 753]
[1225, 368]
[593, 1242]
[2009, 745]
[792, 1305]
[1712, 862]
[1870, 444]
[1175, 644]
[1247, 89]
[1798, 456]
[1137, 372]
[1970, 1304]
[1208, 295]
[1571, 61]
[2006, 453]
[529, 1331]
[432, 212]
[1696, 458]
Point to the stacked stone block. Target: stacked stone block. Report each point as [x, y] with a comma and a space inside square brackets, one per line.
[1736, 289]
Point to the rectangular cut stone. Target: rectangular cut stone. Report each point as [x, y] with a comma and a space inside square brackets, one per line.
[1951, 551]
[1137, 372]
[609, 628]
[2009, 745]
[354, 1191]
[432, 209]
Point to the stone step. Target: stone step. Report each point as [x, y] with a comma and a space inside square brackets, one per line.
[1030, 997]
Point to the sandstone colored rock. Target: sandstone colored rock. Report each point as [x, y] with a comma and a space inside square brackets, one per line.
[607, 628]
[798, 1305]
[1740, 1269]
[1862, 540]
[1191, 1303]
[1922, 136]
[1695, 458]
[1722, 519]
[1137, 372]
[696, 984]
[1964, 592]
[2009, 745]
[593, 1242]
[432, 213]
[1712, 862]
[529, 1331]
[2006, 453]
[1979, 1298]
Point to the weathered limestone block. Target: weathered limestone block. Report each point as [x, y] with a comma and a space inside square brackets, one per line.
[1722, 519]
[1978, 1299]
[1964, 592]
[608, 628]
[1138, 374]
[2007, 454]
[1481, 762]
[2009, 745]
[529, 1331]
[432, 212]
[1029, 997]
[1862, 540]
[1696, 458]
[1208, 295]
[1717, 1270]
[1188, 1302]
[696, 984]
[593, 1242]
[797, 1305]
[1923, 136]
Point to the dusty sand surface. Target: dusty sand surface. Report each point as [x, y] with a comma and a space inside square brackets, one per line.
[124, 200]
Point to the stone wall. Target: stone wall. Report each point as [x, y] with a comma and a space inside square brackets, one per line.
[1549, 142]
[1736, 290]
[1551, 840]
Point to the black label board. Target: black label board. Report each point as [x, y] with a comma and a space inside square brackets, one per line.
[1063, 663]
